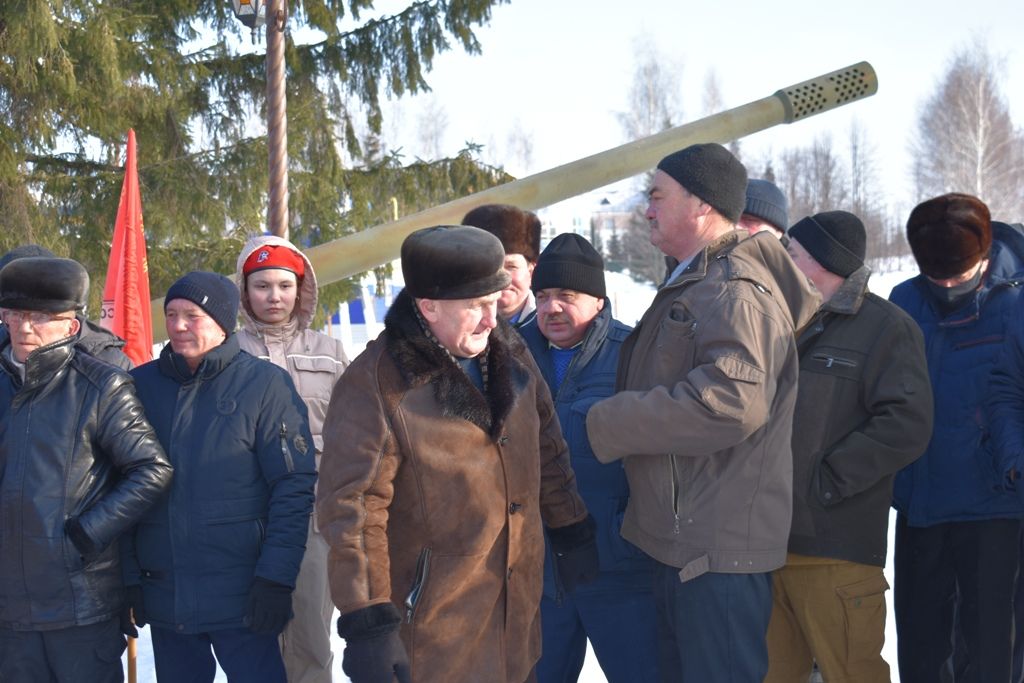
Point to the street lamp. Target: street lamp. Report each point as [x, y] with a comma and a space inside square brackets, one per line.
[253, 14]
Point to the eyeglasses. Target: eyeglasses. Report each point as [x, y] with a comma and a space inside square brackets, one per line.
[34, 318]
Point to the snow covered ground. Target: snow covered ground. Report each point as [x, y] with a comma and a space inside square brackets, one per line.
[629, 301]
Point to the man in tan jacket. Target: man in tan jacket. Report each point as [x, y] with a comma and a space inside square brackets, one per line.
[706, 387]
[442, 459]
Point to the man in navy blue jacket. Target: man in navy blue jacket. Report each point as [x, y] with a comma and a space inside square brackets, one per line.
[575, 341]
[213, 565]
[957, 528]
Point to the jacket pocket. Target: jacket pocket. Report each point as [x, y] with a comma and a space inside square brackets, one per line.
[419, 585]
[834, 361]
[314, 377]
[864, 616]
[674, 343]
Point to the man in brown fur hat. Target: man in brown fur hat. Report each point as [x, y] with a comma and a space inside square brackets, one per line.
[519, 232]
[957, 524]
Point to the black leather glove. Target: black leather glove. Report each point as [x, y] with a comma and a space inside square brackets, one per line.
[85, 546]
[133, 607]
[374, 652]
[575, 549]
[270, 606]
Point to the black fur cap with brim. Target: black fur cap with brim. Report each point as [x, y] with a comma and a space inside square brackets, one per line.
[53, 285]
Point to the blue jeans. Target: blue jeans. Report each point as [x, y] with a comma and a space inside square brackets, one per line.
[616, 612]
[712, 629]
[245, 657]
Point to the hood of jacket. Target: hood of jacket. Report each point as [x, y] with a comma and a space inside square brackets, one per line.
[308, 292]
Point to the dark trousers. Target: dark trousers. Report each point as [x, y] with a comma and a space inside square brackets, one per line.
[616, 612]
[69, 655]
[245, 657]
[961, 570]
[712, 629]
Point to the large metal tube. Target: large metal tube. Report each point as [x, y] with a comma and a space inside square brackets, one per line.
[361, 251]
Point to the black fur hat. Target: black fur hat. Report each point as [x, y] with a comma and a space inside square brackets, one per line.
[24, 251]
[518, 230]
[39, 283]
[453, 262]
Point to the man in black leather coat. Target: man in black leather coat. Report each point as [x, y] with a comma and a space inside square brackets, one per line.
[79, 465]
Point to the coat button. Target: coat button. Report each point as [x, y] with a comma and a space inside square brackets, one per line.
[181, 627]
[828, 495]
[513, 508]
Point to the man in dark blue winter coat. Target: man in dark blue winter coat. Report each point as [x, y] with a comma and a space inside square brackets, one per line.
[575, 341]
[957, 528]
[79, 465]
[214, 565]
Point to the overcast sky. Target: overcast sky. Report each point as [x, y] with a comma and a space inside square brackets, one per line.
[561, 69]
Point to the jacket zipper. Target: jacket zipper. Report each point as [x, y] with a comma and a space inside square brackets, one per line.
[675, 491]
[834, 360]
[422, 570]
[288, 461]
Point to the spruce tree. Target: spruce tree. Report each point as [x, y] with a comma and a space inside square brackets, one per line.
[75, 75]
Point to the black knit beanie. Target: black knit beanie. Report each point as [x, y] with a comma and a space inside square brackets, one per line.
[212, 292]
[712, 173]
[453, 262]
[767, 202]
[570, 262]
[836, 240]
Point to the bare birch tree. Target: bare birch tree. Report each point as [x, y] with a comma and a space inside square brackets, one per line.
[966, 140]
[653, 105]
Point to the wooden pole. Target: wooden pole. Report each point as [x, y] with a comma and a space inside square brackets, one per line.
[133, 660]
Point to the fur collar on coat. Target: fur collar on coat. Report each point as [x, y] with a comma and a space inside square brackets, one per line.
[421, 361]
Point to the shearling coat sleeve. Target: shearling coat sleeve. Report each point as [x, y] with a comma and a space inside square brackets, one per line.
[897, 394]
[357, 472]
[712, 383]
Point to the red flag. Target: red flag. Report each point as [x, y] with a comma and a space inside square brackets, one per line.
[126, 293]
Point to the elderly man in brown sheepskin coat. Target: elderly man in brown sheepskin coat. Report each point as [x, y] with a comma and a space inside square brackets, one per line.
[442, 459]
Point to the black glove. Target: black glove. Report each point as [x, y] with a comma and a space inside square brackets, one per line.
[133, 607]
[575, 549]
[83, 544]
[374, 652]
[270, 606]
